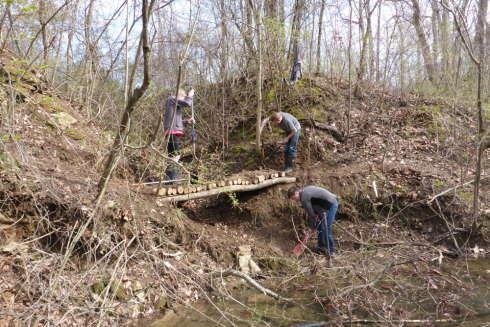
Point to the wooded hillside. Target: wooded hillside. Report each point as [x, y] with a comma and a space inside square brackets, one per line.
[393, 106]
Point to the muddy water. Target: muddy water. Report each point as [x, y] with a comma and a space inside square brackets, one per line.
[464, 302]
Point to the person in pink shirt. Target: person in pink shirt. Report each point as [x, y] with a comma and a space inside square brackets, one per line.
[177, 129]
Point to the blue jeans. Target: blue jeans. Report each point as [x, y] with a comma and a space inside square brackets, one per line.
[292, 143]
[325, 223]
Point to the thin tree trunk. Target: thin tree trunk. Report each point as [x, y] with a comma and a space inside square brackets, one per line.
[480, 147]
[350, 72]
[401, 45]
[2, 22]
[480, 54]
[44, 32]
[362, 61]
[436, 40]
[422, 39]
[378, 39]
[57, 61]
[126, 68]
[223, 40]
[318, 59]
[445, 43]
[69, 50]
[259, 77]
[132, 101]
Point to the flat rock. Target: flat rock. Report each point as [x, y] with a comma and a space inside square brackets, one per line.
[244, 249]
[137, 286]
[98, 288]
[254, 267]
[243, 263]
[162, 302]
[63, 120]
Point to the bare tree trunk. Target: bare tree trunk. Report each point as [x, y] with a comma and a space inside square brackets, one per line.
[88, 27]
[401, 45]
[69, 50]
[132, 101]
[480, 147]
[2, 22]
[436, 22]
[320, 23]
[366, 36]
[223, 40]
[422, 39]
[378, 39]
[296, 26]
[480, 54]
[259, 77]
[57, 61]
[249, 9]
[477, 55]
[44, 32]
[282, 15]
[480, 30]
[445, 65]
[349, 52]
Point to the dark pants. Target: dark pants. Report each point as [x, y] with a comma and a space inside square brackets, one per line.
[173, 145]
[292, 144]
[323, 226]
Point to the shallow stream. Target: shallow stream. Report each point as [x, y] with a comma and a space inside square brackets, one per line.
[454, 294]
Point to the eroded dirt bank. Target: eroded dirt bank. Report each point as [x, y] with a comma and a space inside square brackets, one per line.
[139, 256]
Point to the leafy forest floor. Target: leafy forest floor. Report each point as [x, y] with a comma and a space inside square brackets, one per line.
[140, 255]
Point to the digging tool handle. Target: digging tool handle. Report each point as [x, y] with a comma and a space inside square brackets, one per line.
[262, 139]
[163, 182]
[193, 132]
[270, 155]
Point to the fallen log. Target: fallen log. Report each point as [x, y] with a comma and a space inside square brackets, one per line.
[338, 135]
[233, 188]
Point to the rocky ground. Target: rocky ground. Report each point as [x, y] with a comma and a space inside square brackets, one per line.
[139, 256]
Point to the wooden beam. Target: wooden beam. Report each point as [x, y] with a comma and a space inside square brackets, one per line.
[233, 188]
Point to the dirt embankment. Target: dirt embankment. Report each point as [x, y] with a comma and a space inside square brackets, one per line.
[401, 153]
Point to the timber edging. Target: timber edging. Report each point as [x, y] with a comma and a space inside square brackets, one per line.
[224, 189]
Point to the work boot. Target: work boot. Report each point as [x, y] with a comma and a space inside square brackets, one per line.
[290, 163]
[173, 173]
[286, 160]
[170, 173]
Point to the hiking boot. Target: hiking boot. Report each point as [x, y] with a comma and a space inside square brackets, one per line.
[289, 164]
[317, 250]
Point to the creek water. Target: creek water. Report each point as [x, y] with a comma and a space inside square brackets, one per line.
[454, 294]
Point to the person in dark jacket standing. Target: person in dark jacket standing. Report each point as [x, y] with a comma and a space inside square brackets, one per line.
[321, 207]
[177, 129]
[291, 126]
